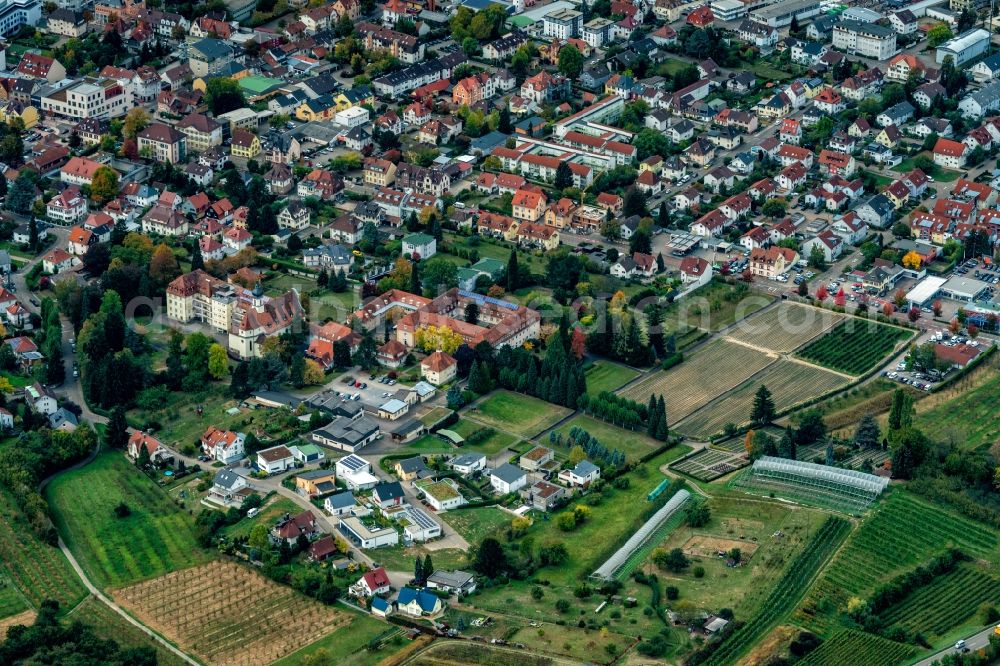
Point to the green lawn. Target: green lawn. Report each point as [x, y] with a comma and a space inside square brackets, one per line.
[426, 444]
[749, 526]
[880, 180]
[478, 523]
[180, 424]
[613, 521]
[109, 625]
[275, 507]
[518, 414]
[401, 558]
[346, 645]
[674, 65]
[765, 70]
[17, 380]
[633, 444]
[607, 376]
[434, 415]
[493, 444]
[154, 539]
[12, 601]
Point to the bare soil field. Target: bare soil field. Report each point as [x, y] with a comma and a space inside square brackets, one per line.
[712, 370]
[701, 545]
[197, 609]
[26, 618]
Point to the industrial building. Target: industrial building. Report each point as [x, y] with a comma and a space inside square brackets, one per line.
[780, 14]
[967, 46]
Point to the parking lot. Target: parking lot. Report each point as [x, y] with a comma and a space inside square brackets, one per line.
[369, 390]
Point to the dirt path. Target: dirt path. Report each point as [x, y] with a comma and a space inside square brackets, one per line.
[118, 609]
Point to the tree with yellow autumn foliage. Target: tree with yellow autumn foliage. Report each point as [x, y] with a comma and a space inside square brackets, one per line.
[911, 260]
[433, 338]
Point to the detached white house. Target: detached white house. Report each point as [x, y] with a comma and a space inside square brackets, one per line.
[506, 479]
[583, 474]
[422, 245]
[275, 459]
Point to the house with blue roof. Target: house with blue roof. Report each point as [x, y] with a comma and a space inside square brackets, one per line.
[381, 607]
[418, 603]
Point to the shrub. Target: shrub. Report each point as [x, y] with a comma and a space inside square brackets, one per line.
[122, 510]
[672, 593]
[698, 571]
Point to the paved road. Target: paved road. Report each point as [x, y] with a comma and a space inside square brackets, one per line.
[118, 609]
[974, 642]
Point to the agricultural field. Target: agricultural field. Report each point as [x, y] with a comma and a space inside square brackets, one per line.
[196, 609]
[858, 649]
[709, 372]
[946, 602]
[607, 376]
[961, 414]
[37, 570]
[634, 444]
[862, 565]
[786, 593]
[155, 538]
[751, 526]
[108, 624]
[784, 327]
[790, 383]
[843, 411]
[708, 464]
[855, 346]
[514, 413]
[712, 307]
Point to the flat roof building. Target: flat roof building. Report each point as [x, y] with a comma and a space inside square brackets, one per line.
[961, 288]
[967, 46]
[780, 14]
[925, 290]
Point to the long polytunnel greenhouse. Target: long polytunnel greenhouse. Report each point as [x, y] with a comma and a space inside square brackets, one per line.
[844, 489]
[624, 556]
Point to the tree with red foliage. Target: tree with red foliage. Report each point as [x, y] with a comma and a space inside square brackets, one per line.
[822, 293]
[130, 149]
[887, 309]
[936, 307]
[973, 330]
[578, 343]
[747, 276]
[840, 299]
[913, 314]
[954, 326]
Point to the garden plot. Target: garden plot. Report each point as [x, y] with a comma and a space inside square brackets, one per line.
[711, 371]
[709, 464]
[785, 327]
[789, 382]
[197, 609]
